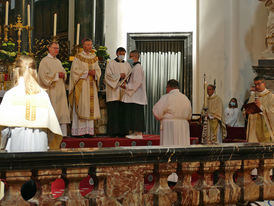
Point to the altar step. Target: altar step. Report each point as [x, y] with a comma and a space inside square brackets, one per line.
[105, 141]
[234, 135]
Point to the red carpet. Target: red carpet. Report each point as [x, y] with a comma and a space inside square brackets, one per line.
[234, 134]
[72, 142]
[148, 140]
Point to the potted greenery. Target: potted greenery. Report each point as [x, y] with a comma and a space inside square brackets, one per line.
[8, 52]
[102, 54]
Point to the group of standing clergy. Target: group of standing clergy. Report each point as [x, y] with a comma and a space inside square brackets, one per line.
[125, 91]
[126, 97]
[85, 74]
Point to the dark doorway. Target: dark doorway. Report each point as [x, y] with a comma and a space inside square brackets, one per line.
[163, 56]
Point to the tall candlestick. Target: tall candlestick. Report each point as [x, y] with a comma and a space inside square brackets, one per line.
[54, 24]
[7, 13]
[205, 95]
[28, 15]
[78, 34]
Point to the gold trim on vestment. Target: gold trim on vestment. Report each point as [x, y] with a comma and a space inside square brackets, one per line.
[262, 95]
[262, 132]
[86, 60]
[78, 88]
[91, 91]
[30, 110]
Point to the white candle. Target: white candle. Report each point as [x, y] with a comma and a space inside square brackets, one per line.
[78, 34]
[28, 15]
[7, 13]
[205, 95]
[54, 24]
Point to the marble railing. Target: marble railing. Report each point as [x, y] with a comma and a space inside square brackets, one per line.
[207, 175]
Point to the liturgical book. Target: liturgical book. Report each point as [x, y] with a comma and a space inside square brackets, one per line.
[252, 108]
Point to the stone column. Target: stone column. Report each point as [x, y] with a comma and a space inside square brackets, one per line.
[251, 190]
[210, 193]
[166, 196]
[100, 23]
[74, 177]
[15, 180]
[232, 191]
[84, 14]
[268, 185]
[190, 195]
[45, 178]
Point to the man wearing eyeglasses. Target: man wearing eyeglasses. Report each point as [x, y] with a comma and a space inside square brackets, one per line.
[52, 76]
[260, 127]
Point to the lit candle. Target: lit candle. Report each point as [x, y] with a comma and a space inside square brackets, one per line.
[7, 13]
[28, 15]
[78, 34]
[54, 24]
[205, 95]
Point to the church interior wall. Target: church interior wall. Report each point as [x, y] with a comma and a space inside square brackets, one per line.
[231, 38]
[228, 37]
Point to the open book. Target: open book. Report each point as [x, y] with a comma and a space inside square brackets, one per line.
[252, 108]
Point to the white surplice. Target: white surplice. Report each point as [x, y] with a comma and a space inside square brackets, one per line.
[232, 117]
[135, 91]
[174, 111]
[112, 78]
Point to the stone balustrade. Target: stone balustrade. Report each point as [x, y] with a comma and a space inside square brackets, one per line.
[207, 175]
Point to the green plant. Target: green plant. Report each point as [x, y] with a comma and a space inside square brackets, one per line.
[67, 66]
[8, 52]
[101, 53]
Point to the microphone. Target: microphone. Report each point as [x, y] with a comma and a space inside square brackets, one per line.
[256, 96]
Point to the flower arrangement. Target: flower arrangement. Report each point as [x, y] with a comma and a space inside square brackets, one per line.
[101, 53]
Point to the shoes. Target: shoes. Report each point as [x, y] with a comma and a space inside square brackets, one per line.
[134, 136]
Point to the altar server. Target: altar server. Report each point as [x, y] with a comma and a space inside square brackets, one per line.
[135, 98]
[117, 72]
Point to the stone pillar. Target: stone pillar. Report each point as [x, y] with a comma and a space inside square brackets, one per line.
[124, 185]
[166, 196]
[74, 177]
[190, 195]
[15, 180]
[100, 23]
[232, 191]
[268, 184]
[84, 14]
[45, 177]
[210, 193]
[251, 190]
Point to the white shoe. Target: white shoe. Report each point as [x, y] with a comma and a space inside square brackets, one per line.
[138, 136]
[134, 136]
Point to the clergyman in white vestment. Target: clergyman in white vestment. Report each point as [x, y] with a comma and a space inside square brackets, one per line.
[83, 91]
[27, 119]
[174, 111]
[52, 76]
